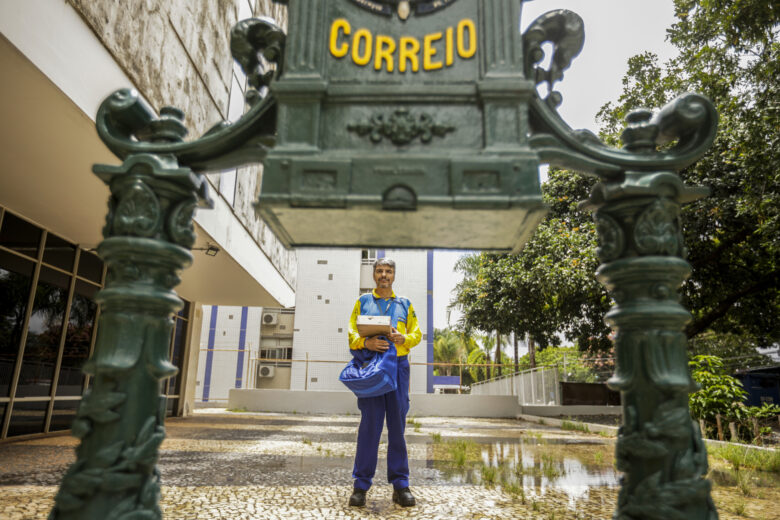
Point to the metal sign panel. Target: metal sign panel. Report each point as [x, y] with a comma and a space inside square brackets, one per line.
[404, 124]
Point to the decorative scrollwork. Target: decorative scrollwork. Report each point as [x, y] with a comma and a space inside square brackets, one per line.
[612, 240]
[657, 230]
[138, 211]
[180, 226]
[566, 31]
[401, 128]
[250, 40]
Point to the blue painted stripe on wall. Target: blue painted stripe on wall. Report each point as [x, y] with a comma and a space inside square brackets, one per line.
[241, 347]
[430, 321]
[210, 353]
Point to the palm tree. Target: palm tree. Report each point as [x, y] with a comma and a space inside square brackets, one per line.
[448, 347]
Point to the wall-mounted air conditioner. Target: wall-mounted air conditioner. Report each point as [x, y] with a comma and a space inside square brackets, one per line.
[270, 318]
[266, 371]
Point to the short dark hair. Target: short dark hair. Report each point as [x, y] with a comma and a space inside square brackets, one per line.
[384, 261]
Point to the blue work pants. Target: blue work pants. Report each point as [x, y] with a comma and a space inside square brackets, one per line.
[392, 406]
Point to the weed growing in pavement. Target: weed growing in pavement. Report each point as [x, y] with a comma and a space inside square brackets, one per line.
[598, 457]
[489, 474]
[574, 426]
[739, 507]
[549, 468]
[436, 437]
[459, 451]
[744, 482]
[606, 433]
[306, 441]
[238, 410]
[411, 421]
[747, 457]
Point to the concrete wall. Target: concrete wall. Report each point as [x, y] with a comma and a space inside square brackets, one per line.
[439, 405]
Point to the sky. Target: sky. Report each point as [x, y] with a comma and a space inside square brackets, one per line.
[615, 30]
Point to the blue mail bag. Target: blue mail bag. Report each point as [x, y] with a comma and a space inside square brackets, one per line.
[370, 374]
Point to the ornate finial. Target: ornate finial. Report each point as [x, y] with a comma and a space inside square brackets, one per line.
[641, 133]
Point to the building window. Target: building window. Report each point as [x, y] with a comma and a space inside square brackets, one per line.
[58, 329]
[368, 256]
[322, 262]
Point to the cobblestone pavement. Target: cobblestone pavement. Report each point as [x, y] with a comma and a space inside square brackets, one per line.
[222, 465]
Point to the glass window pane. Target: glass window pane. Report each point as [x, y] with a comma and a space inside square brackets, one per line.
[77, 339]
[170, 407]
[179, 334]
[15, 279]
[59, 252]
[91, 267]
[28, 418]
[43, 334]
[185, 312]
[20, 235]
[63, 414]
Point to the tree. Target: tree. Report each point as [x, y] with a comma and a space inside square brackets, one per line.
[449, 346]
[728, 50]
[549, 288]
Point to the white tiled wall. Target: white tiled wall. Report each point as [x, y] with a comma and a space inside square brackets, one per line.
[225, 355]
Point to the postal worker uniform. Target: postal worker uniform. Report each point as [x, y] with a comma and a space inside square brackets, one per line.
[392, 406]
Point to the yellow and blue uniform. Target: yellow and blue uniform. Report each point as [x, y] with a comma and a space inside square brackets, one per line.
[392, 406]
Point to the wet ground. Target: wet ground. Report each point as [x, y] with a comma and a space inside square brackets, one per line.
[222, 465]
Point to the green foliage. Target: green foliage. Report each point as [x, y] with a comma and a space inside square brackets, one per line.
[719, 393]
[729, 50]
[723, 395]
[578, 367]
[546, 290]
[450, 346]
[737, 351]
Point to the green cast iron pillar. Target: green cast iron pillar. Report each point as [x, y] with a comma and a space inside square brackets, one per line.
[659, 448]
[148, 234]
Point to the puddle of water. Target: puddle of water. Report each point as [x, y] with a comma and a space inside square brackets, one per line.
[529, 467]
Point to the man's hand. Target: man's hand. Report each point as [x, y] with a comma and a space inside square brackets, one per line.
[377, 344]
[396, 337]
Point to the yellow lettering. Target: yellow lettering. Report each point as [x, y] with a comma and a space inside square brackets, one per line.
[339, 51]
[429, 52]
[385, 48]
[464, 51]
[365, 58]
[409, 51]
[449, 55]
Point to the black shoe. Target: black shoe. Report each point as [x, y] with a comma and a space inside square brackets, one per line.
[403, 497]
[358, 498]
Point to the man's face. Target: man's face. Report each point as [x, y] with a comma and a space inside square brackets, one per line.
[384, 276]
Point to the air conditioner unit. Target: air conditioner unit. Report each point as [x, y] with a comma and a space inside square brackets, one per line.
[270, 318]
[266, 371]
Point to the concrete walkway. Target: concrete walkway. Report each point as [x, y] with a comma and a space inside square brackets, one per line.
[222, 465]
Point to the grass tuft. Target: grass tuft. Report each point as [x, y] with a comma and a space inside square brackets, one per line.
[574, 426]
[746, 457]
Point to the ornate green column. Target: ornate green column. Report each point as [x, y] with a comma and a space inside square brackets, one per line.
[148, 234]
[659, 448]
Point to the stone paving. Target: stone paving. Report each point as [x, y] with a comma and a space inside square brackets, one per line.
[223, 465]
